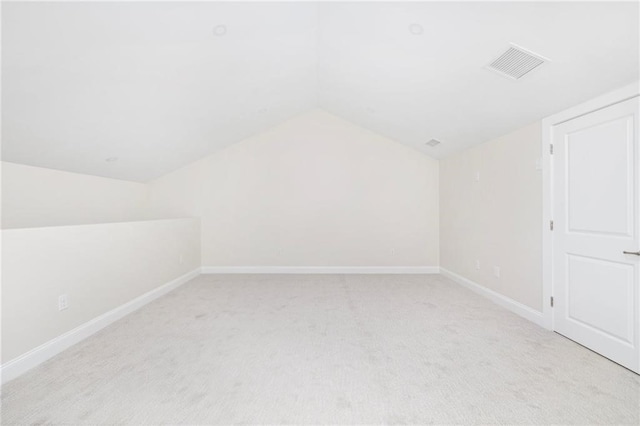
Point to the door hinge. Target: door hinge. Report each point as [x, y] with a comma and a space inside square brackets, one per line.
[551, 149]
[551, 225]
[552, 301]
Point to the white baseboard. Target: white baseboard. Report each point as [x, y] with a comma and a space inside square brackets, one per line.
[17, 366]
[320, 270]
[14, 368]
[504, 301]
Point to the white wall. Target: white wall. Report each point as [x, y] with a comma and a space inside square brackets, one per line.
[34, 196]
[314, 191]
[99, 267]
[496, 220]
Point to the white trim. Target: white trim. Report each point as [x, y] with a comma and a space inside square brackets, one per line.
[547, 215]
[504, 301]
[608, 99]
[320, 270]
[17, 366]
[616, 96]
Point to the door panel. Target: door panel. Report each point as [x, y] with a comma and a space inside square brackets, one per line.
[599, 184]
[596, 192]
[615, 307]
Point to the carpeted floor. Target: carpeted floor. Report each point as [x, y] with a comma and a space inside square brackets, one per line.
[342, 349]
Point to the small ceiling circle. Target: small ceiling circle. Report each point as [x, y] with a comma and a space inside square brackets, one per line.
[111, 159]
[416, 29]
[219, 30]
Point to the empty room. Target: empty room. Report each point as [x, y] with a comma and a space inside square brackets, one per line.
[307, 212]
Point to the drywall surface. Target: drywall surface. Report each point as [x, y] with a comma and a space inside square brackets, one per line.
[314, 191]
[99, 267]
[491, 212]
[34, 196]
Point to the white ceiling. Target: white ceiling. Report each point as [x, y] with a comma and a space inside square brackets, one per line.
[151, 84]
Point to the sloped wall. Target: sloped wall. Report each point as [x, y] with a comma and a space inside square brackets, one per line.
[314, 191]
[35, 197]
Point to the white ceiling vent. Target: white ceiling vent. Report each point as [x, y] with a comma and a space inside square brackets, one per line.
[433, 142]
[516, 62]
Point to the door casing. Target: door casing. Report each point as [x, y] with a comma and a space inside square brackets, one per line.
[620, 95]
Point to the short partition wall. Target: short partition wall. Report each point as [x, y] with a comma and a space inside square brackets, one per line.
[104, 270]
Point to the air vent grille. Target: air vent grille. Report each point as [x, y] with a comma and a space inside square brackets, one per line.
[516, 62]
[433, 142]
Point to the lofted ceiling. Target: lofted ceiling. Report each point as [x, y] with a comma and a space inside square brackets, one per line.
[135, 90]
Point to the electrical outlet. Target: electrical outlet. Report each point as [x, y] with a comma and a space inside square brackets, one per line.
[477, 264]
[539, 164]
[181, 259]
[477, 177]
[63, 302]
[496, 271]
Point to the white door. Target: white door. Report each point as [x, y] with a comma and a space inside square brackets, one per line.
[596, 184]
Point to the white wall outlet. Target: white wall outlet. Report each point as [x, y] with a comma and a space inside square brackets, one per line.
[476, 178]
[181, 259]
[496, 271]
[63, 302]
[539, 164]
[477, 264]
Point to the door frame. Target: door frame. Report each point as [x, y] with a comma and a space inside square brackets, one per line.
[620, 95]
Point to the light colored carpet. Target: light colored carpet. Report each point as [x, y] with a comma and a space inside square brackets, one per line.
[340, 349]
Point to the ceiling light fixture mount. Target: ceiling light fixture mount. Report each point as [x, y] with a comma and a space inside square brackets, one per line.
[111, 159]
[433, 143]
[416, 29]
[219, 30]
